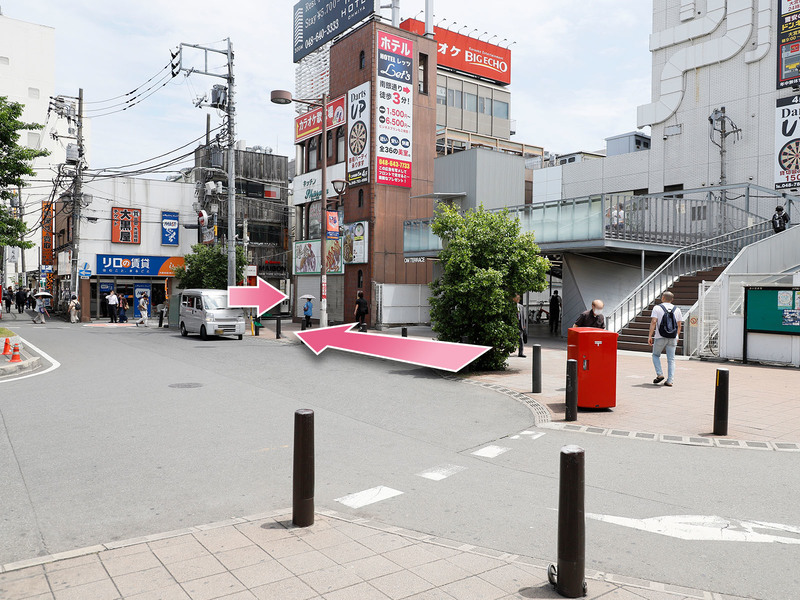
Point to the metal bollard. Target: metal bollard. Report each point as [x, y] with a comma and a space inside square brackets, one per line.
[256, 330]
[569, 578]
[721, 402]
[404, 332]
[303, 324]
[278, 328]
[572, 390]
[536, 370]
[303, 471]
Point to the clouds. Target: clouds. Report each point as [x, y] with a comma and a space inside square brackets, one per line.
[579, 69]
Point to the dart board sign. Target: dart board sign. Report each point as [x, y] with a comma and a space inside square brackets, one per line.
[787, 143]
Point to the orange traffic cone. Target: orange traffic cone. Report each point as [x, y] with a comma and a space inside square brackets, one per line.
[16, 357]
[7, 347]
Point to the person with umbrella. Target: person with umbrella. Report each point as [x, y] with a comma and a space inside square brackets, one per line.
[308, 309]
[40, 309]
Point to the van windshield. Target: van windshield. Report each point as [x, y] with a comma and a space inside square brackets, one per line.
[215, 301]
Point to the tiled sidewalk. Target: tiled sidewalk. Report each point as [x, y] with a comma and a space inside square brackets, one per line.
[337, 558]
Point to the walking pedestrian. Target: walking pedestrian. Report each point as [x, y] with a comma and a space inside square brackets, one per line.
[361, 311]
[144, 305]
[522, 321]
[31, 299]
[113, 303]
[123, 308]
[779, 220]
[665, 329]
[308, 310]
[8, 297]
[39, 310]
[20, 298]
[592, 317]
[73, 307]
[555, 313]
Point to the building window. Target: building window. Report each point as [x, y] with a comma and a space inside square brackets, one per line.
[470, 102]
[500, 109]
[484, 105]
[360, 198]
[340, 145]
[423, 74]
[362, 60]
[329, 144]
[441, 95]
[360, 279]
[454, 98]
[312, 154]
[571, 159]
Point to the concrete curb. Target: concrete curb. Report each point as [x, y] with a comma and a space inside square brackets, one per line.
[30, 361]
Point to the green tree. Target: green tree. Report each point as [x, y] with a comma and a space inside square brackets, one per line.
[207, 267]
[486, 261]
[15, 164]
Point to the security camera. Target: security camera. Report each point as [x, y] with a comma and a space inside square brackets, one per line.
[665, 136]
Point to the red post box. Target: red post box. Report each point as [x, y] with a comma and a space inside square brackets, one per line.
[596, 353]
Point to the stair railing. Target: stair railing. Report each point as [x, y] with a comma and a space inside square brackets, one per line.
[714, 252]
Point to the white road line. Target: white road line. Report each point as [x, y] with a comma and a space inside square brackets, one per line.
[441, 472]
[369, 496]
[530, 435]
[54, 364]
[491, 451]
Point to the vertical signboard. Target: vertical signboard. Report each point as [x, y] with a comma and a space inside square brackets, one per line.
[169, 228]
[358, 121]
[332, 228]
[394, 108]
[126, 225]
[48, 256]
[788, 43]
[356, 242]
[787, 143]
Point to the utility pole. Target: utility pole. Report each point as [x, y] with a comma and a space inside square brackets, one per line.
[77, 198]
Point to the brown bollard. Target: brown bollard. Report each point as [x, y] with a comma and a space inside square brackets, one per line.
[721, 402]
[536, 369]
[569, 578]
[404, 331]
[571, 413]
[278, 328]
[303, 472]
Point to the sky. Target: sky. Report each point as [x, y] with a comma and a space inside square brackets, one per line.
[579, 68]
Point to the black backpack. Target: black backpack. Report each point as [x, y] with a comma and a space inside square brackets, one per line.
[668, 328]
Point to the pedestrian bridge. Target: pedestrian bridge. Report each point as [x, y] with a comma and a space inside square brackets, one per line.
[653, 223]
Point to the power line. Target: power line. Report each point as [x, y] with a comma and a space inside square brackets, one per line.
[134, 90]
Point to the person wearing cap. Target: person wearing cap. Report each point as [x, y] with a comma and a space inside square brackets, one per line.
[143, 309]
[779, 220]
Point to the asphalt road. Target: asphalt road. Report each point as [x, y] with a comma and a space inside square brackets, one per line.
[142, 431]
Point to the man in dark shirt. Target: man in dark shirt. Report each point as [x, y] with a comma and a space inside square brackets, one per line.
[592, 317]
[555, 312]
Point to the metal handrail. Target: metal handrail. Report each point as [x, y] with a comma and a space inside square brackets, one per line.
[701, 256]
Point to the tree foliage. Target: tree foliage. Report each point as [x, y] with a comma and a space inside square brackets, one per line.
[15, 164]
[207, 267]
[486, 261]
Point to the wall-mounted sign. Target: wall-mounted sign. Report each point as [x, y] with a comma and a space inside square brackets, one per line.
[310, 124]
[126, 225]
[308, 186]
[355, 244]
[307, 260]
[358, 122]
[787, 143]
[169, 228]
[332, 230]
[394, 107]
[48, 257]
[129, 264]
[788, 43]
[466, 54]
[414, 259]
[319, 21]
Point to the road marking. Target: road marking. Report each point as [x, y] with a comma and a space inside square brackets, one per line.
[491, 451]
[369, 496]
[703, 528]
[532, 435]
[441, 472]
[54, 364]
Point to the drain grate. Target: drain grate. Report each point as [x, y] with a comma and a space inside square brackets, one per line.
[185, 385]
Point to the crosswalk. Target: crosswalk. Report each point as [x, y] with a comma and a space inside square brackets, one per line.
[436, 473]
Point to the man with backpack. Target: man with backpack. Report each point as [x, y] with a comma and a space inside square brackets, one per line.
[779, 220]
[666, 323]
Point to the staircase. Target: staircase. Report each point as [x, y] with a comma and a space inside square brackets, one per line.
[634, 335]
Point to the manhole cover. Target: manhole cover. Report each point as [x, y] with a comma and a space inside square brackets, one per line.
[185, 385]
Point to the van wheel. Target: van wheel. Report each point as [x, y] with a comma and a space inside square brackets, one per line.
[240, 336]
[203, 333]
[184, 333]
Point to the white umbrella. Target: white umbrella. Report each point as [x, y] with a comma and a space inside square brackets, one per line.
[37, 294]
[308, 296]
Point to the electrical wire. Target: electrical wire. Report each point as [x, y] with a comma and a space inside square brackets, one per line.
[130, 101]
[167, 66]
[113, 112]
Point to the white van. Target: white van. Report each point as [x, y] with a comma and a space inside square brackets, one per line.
[206, 312]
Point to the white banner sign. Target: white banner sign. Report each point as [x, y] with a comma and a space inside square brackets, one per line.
[787, 143]
[358, 155]
[355, 243]
[308, 186]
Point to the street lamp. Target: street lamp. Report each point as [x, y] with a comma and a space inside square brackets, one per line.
[285, 97]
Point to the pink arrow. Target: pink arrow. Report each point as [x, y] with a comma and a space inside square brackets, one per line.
[263, 296]
[426, 353]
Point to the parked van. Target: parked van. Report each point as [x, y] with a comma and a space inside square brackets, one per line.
[206, 312]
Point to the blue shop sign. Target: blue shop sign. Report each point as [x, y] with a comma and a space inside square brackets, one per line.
[169, 228]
